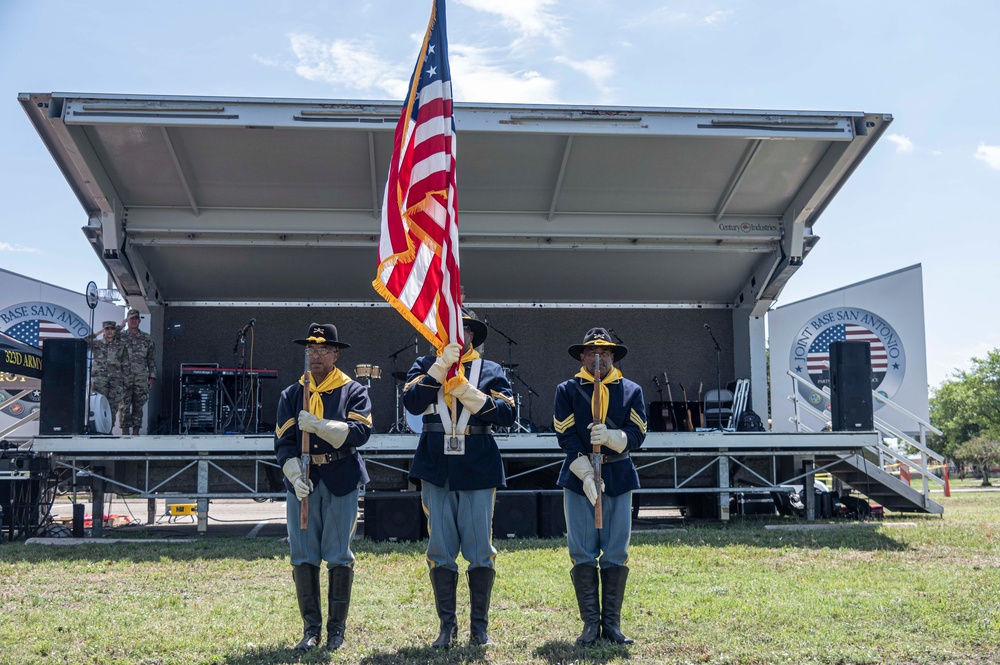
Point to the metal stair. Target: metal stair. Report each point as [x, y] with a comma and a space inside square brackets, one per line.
[867, 478]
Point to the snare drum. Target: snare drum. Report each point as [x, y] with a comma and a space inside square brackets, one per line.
[363, 371]
[376, 372]
[414, 423]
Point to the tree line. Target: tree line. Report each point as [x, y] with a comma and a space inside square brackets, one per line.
[966, 408]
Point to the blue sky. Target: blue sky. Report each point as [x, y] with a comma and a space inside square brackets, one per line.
[927, 194]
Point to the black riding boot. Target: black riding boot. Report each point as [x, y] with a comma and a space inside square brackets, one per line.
[480, 589]
[339, 602]
[306, 578]
[584, 579]
[612, 594]
[444, 581]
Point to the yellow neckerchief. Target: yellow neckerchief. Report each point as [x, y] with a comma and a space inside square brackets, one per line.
[459, 378]
[612, 377]
[333, 380]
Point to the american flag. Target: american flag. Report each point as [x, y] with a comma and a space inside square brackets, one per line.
[418, 271]
[819, 351]
[36, 331]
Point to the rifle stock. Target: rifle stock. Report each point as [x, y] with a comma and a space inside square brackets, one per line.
[595, 455]
[304, 504]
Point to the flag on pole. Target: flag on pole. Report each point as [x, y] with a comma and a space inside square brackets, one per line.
[418, 267]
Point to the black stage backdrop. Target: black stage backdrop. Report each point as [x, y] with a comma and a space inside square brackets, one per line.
[658, 339]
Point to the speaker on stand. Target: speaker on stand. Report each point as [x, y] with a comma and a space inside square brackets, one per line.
[63, 406]
[851, 386]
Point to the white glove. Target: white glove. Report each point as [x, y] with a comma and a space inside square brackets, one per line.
[333, 432]
[471, 397]
[582, 469]
[450, 355]
[293, 471]
[615, 439]
[308, 422]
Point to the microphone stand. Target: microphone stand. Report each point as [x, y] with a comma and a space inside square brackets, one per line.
[400, 424]
[510, 343]
[718, 377]
[242, 384]
[512, 374]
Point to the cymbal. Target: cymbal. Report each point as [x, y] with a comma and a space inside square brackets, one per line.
[399, 376]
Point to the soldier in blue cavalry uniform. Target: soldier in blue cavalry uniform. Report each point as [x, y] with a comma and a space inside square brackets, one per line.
[339, 421]
[460, 473]
[622, 429]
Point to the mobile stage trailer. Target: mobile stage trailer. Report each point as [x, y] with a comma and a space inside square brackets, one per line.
[212, 213]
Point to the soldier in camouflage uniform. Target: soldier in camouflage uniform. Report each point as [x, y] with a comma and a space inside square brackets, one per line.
[139, 372]
[108, 357]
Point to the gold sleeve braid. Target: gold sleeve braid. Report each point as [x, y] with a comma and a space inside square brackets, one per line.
[280, 431]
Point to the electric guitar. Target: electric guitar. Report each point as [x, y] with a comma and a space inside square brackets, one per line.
[687, 406]
[665, 410]
[701, 411]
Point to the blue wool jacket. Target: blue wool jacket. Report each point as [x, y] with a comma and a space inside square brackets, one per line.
[572, 414]
[350, 404]
[480, 467]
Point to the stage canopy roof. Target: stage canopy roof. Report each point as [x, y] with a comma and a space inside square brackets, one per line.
[201, 200]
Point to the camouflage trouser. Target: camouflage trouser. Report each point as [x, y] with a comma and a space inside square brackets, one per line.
[134, 396]
[112, 389]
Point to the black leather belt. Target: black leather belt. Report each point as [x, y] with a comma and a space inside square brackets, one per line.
[472, 429]
[608, 459]
[326, 458]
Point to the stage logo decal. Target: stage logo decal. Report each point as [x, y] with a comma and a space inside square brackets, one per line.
[810, 353]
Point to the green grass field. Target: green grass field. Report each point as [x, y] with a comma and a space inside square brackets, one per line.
[710, 594]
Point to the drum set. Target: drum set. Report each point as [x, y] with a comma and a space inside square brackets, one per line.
[367, 373]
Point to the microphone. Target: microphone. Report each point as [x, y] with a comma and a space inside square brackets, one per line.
[707, 327]
[486, 319]
[615, 335]
[253, 321]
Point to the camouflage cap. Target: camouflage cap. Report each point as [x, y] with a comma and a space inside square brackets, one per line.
[132, 312]
[109, 324]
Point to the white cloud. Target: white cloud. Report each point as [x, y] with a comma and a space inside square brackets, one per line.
[268, 62]
[717, 17]
[349, 63]
[530, 18]
[989, 154]
[599, 70]
[479, 74]
[477, 78]
[14, 247]
[903, 144]
[671, 16]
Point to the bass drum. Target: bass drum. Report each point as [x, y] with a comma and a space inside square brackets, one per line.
[414, 423]
[100, 414]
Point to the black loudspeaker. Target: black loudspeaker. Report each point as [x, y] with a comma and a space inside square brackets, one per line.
[551, 514]
[515, 515]
[851, 386]
[394, 517]
[63, 407]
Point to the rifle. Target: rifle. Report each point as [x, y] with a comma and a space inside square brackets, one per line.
[304, 504]
[595, 456]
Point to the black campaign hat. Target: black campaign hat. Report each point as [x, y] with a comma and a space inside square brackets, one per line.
[598, 337]
[322, 333]
[479, 329]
